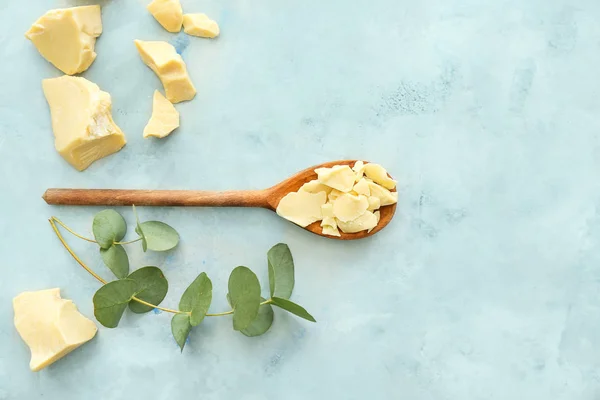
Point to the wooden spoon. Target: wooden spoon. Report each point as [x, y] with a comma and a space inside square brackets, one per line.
[267, 198]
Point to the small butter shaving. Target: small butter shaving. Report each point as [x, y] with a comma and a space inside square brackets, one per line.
[340, 177]
[331, 230]
[348, 207]
[366, 221]
[334, 194]
[328, 224]
[302, 208]
[327, 210]
[379, 175]
[385, 196]
[374, 203]
[359, 170]
[315, 187]
[362, 187]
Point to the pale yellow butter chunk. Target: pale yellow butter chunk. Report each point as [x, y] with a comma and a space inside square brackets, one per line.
[328, 224]
[315, 187]
[374, 203]
[340, 177]
[386, 197]
[362, 187]
[51, 326]
[82, 122]
[379, 175]
[164, 119]
[170, 68]
[168, 13]
[334, 194]
[331, 230]
[348, 207]
[66, 37]
[200, 25]
[358, 169]
[302, 208]
[329, 221]
[366, 222]
[327, 211]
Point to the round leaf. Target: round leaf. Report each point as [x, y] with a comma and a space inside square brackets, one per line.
[159, 236]
[115, 258]
[108, 227]
[110, 301]
[261, 323]
[197, 298]
[281, 271]
[293, 308]
[244, 293]
[152, 287]
[181, 327]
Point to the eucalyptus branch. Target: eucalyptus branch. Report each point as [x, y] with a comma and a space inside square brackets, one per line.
[144, 289]
[91, 272]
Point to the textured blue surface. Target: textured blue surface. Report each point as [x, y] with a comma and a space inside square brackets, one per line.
[485, 286]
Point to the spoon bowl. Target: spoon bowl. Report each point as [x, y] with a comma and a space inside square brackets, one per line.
[295, 182]
[267, 198]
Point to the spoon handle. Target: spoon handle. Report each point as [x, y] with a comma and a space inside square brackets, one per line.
[179, 198]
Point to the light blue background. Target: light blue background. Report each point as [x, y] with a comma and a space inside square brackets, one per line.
[485, 286]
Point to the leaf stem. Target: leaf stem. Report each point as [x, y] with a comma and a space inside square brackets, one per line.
[220, 314]
[231, 311]
[158, 307]
[129, 242]
[66, 246]
[58, 221]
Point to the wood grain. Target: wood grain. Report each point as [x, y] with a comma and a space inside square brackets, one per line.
[160, 198]
[268, 198]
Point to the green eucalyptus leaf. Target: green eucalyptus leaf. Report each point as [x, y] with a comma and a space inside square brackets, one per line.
[115, 258]
[159, 236]
[152, 287]
[262, 322]
[281, 271]
[139, 231]
[197, 298]
[244, 294]
[108, 227]
[181, 327]
[110, 301]
[293, 308]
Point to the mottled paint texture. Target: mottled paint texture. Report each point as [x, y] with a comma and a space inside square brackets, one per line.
[486, 285]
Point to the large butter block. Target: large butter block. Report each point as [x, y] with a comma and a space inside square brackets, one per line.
[51, 326]
[170, 68]
[82, 122]
[67, 37]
